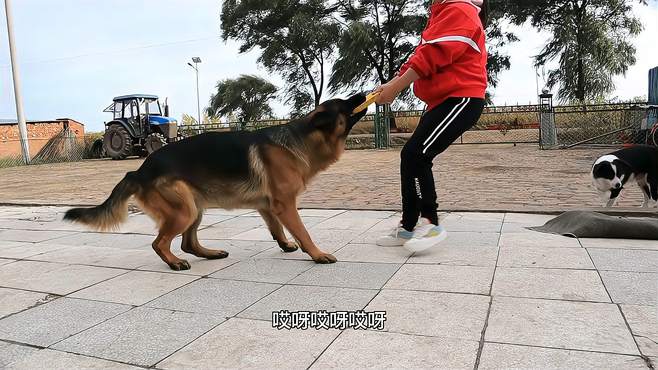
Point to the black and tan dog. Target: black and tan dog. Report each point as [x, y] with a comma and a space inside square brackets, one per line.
[264, 170]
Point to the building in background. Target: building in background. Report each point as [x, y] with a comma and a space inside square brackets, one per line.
[39, 134]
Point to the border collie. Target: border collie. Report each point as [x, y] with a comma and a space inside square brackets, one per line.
[611, 172]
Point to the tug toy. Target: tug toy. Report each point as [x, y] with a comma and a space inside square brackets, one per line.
[369, 100]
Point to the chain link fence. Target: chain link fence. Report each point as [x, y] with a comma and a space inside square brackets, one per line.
[601, 125]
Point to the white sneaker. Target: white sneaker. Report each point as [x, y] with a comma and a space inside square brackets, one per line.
[426, 236]
[396, 238]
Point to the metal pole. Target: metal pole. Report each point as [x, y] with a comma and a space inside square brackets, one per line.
[22, 127]
[198, 105]
[537, 82]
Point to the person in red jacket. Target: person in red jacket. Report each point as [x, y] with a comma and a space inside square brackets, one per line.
[449, 73]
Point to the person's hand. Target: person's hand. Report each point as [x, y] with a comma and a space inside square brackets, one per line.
[387, 93]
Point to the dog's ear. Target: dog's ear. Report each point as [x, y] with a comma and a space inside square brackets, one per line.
[603, 170]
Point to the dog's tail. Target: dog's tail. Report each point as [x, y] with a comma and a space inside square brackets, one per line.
[111, 213]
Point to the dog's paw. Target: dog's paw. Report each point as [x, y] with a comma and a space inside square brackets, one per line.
[216, 254]
[288, 247]
[180, 265]
[325, 258]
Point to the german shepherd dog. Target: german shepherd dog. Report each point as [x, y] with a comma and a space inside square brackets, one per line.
[264, 170]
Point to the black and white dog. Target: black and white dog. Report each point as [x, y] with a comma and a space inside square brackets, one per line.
[611, 172]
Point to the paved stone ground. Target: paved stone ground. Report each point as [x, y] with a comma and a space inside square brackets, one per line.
[469, 177]
[493, 295]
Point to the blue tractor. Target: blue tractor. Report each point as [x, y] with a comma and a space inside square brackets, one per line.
[139, 126]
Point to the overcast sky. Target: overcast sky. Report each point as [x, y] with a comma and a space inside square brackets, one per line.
[75, 55]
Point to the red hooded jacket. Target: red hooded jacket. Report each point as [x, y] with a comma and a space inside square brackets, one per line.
[451, 59]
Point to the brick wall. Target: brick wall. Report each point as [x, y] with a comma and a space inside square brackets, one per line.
[38, 134]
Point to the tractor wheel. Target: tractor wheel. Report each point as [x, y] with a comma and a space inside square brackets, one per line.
[117, 142]
[654, 135]
[154, 142]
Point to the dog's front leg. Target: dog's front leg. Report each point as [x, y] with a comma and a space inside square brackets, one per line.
[276, 230]
[611, 202]
[286, 211]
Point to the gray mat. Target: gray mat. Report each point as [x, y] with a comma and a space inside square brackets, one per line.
[585, 224]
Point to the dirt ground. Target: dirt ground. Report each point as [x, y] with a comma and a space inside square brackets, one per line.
[469, 177]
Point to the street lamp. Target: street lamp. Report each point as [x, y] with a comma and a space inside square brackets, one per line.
[197, 60]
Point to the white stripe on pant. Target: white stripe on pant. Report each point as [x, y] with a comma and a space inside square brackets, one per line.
[443, 125]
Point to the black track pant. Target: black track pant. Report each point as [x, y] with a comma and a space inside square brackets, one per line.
[438, 128]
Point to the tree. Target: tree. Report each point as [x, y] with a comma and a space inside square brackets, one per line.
[378, 36]
[296, 39]
[246, 96]
[591, 40]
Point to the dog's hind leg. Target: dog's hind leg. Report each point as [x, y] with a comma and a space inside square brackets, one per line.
[276, 230]
[172, 205]
[162, 246]
[191, 243]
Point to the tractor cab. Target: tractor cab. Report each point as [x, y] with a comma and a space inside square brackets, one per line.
[139, 126]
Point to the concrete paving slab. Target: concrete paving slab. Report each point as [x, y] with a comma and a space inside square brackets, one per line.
[348, 221]
[537, 239]
[53, 278]
[241, 343]
[264, 270]
[370, 349]
[348, 275]
[473, 222]
[10, 353]
[52, 322]
[56, 360]
[546, 257]
[232, 227]
[141, 336]
[313, 212]
[632, 287]
[643, 321]
[447, 315]
[559, 324]
[28, 250]
[108, 240]
[50, 224]
[296, 298]
[440, 278]
[33, 236]
[505, 356]
[99, 256]
[619, 243]
[13, 300]
[625, 260]
[247, 284]
[372, 253]
[7, 244]
[134, 288]
[570, 285]
[528, 219]
[221, 298]
[199, 266]
[457, 256]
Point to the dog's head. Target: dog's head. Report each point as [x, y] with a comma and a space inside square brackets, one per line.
[609, 174]
[336, 116]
